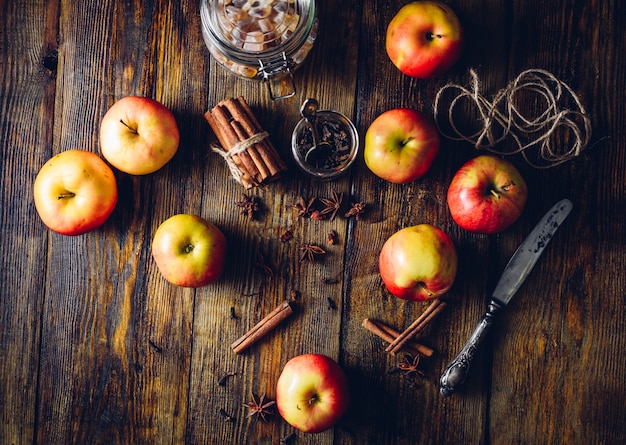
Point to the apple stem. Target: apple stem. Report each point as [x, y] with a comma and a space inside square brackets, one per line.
[423, 286]
[128, 126]
[313, 400]
[188, 248]
[495, 193]
[406, 141]
[66, 195]
[430, 36]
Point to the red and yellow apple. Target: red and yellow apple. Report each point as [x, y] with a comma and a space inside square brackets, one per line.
[189, 251]
[487, 195]
[424, 39]
[418, 263]
[312, 392]
[138, 135]
[401, 145]
[75, 192]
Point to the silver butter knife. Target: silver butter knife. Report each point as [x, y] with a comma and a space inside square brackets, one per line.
[516, 271]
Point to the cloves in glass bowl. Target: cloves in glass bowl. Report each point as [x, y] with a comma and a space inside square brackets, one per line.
[338, 145]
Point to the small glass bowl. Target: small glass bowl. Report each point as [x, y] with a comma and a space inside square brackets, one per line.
[338, 148]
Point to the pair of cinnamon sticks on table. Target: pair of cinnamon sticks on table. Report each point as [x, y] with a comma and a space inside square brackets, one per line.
[405, 339]
[246, 147]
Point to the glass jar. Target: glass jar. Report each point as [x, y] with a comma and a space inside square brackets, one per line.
[260, 39]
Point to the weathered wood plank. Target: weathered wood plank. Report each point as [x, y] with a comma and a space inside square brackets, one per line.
[28, 73]
[557, 372]
[399, 409]
[116, 338]
[314, 327]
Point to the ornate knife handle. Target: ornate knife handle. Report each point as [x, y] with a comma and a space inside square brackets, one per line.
[457, 370]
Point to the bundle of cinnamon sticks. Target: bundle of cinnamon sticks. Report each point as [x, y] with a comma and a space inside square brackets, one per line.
[244, 144]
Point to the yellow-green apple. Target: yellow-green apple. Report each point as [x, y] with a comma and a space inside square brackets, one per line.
[487, 195]
[424, 39]
[418, 263]
[312, 392]
[138, 135]
[189, 250]
[75, 192]
[401, 145]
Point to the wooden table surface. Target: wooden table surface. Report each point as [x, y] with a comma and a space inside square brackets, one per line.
[98, 348]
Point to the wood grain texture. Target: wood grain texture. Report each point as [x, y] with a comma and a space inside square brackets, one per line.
[26, 127]
[98, 348]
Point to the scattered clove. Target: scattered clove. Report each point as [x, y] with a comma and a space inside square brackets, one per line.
[356, 210]
[156, 347]
[262, 267]
[286, 235]
[288, 438]
[294, 295]
[233, 315]
[332, 238]
[227, 417]
[222, 380]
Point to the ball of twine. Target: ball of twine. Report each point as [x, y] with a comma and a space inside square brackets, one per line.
[558, 132]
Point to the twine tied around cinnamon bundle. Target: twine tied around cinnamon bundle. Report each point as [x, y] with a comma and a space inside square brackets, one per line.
[238, 148]
[561, 116]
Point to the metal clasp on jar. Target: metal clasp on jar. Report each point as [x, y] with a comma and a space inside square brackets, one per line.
[278, 75]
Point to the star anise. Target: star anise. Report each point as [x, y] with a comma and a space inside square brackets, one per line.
[356, 209]
[249, 206]
[303, 206]
[410, 365]
[331, 205]
[308, 252]
[260, 406]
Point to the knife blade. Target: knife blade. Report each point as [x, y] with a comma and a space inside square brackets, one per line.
[515, 272]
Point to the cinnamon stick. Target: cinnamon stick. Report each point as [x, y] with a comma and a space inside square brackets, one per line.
[389, 334]
[277, 166]
[223, 140]
[225, 124]
[267, 324]
[246, 129]
[264, 172]
[431, 312]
